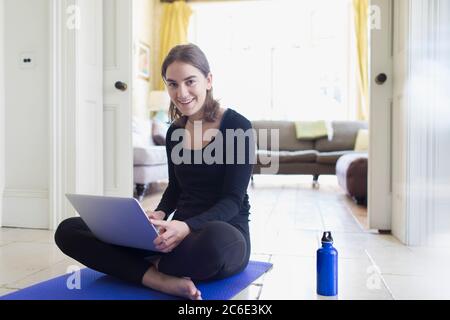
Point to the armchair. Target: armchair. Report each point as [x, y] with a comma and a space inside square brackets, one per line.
[149, 159]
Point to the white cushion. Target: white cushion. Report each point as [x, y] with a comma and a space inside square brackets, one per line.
[142, 132]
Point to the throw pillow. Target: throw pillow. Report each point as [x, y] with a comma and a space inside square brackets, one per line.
[311, 130]
[159, 131]
[362, 140]
[142, 129]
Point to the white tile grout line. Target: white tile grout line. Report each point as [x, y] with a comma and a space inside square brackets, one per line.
[372, 261]
[271, 212]
[263, 277]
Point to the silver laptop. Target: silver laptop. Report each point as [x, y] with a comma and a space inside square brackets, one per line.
[120, 221]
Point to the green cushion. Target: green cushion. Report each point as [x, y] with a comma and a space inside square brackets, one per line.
[310, 130]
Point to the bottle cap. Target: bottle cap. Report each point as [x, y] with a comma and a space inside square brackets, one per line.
[327, 238]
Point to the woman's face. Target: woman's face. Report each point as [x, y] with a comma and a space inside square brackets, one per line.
[187, 87]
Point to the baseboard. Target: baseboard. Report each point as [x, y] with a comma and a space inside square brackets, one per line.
[25, 209]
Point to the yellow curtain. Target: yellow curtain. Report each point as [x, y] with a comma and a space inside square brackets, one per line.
[174, 29]
[361, 11]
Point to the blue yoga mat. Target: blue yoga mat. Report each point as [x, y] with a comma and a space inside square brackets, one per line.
[98, 286]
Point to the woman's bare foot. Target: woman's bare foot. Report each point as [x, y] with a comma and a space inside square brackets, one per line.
[182, 287]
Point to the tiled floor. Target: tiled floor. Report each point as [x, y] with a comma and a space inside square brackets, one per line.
[287, 220]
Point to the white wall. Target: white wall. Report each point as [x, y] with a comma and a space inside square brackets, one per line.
[2, 109]
[422, 109]
[27, 114]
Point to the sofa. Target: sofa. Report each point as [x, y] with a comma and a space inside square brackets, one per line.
[313, 157]
[149, 159]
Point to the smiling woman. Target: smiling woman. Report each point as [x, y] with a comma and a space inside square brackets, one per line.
[209, 237]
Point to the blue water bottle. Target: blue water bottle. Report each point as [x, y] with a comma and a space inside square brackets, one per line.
[327, 267]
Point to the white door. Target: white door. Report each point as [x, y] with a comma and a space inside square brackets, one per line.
[380, 82]
[118, 152]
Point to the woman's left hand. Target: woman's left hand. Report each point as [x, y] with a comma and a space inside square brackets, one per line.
[175, 232]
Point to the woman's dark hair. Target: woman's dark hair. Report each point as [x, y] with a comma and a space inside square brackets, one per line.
[191, 54]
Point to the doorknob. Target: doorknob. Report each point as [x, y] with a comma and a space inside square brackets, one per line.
[122, 86]
[381, 78]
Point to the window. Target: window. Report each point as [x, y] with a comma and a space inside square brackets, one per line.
[278, 59]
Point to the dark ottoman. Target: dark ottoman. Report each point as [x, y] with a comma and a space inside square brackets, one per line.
[351, 171]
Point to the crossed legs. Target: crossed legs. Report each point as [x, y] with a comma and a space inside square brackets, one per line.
[217, 251]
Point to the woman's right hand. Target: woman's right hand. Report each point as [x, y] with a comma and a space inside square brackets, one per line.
[156, 215]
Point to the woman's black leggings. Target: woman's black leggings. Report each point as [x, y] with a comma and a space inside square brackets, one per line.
[216, 251]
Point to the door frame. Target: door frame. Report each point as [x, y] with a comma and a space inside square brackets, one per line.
[62, 116]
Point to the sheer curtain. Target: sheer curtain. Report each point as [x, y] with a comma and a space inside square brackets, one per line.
[278, 59]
